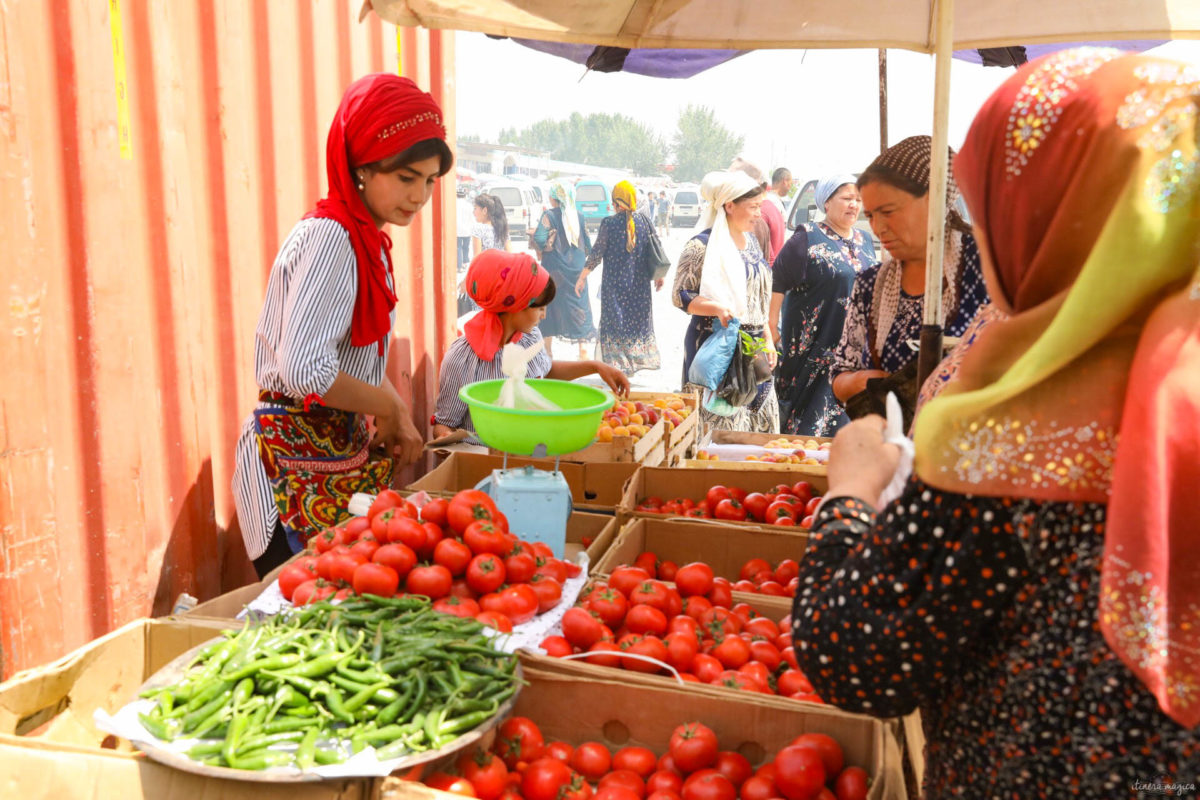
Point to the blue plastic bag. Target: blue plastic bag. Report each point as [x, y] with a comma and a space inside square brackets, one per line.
[713, 357]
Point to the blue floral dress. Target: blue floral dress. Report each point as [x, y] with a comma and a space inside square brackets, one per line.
[626, 339]
[815, 272]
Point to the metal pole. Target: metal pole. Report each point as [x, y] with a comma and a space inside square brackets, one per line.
[931, 329]
[883, 110]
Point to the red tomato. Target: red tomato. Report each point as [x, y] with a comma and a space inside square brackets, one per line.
[365, 546]
[826, 747]
[581, 628]
[303, 593]
[802, 490]
[544, 778]
[399, 557]
[753, 567]
[780, 510]
[647, 561]
[551, 567]
[548, 591]
[454, 784]
[682, 648]
[721, 594]
[626, 579]
[650, 647]
[610, 605]
[453, 555]
[301, 571]
[708, 784]
[435, 511]
[786, 570]
[375, 579]
[328, 539]
[485, 771]
[799, 772]
[765, 653]
[541, 550]
[772, 588]
[757, 672]
[758, 787]
[730, 510]
[519, 603]
[706, 667]
[694, 579]
[734, 766]
[782, 490]
[807, 522]
[664, 794]
[811, 507]
[792, 681]
[560, 750]
[604, 654]
[433, 536]
[405, 531]
[667, 570]
[756, 505]
[614, 791]
[732, 679]
[695, 607]
[643, 618]
[693, 746]
[664, 780]
[433, 581]
[485, 573]
[519, 566]
[732, 652]
[625, 778]
[852, 784]
[556, 646]
[469, 506]
[342, 566]
[715, 495]
[651, 592]
[640, 760]
[591, 760]
[388, 498]
[494, 619]
[519, 739]
[785, 522]
[463, 607]
[485, 537]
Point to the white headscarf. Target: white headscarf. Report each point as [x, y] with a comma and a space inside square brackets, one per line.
[565, 196]
[828, 187]
[723, 275]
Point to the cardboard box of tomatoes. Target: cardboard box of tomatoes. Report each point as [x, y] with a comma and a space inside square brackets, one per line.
[604, 730]
[660, 493]
[50, 747]
[594, 486]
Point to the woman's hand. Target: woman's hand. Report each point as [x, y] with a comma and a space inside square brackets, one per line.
[849, 384]
[724, 314]
[772, 357]
[658, 284]
[616, 380]
[581, 283]
[860, 463]
[441, 430]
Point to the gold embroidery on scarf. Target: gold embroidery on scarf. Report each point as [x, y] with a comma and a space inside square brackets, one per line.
[1025, 453]
[424, 116]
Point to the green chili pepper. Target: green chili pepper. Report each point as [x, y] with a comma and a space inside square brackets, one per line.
[194, 718]
[269, 663]
[306, 752]
[236, 728]
[333, 702]
[161, 729]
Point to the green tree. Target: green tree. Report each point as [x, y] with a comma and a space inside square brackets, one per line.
[702, 144]
[469, 137]
[604, 140]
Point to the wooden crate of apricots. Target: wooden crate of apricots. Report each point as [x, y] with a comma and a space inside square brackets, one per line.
[762, 451]
[642, 428]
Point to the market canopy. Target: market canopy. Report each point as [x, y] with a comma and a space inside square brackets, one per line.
[733, 25]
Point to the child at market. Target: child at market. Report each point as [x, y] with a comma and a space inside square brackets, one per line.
[512, 291]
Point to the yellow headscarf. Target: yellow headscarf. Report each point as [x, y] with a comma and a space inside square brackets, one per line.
[625, 198]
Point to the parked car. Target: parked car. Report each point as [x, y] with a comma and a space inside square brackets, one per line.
[593, 198]
[685, 207]
[520, 206]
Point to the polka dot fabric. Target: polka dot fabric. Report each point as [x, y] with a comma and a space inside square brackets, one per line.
[982, 612]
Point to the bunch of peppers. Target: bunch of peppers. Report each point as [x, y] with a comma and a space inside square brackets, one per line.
[325, 682]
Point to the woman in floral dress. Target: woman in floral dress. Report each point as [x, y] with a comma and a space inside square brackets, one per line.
[812, 279]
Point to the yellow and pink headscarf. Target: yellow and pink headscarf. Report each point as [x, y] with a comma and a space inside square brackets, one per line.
[1082, 173]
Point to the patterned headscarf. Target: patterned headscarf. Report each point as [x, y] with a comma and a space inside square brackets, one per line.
[625, 199]
[1087, 391]
[499, 282]
[570, 217]
[828, 187]
[910, 159]
[380, 116]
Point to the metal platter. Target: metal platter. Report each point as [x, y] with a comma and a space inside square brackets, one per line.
[166, 753]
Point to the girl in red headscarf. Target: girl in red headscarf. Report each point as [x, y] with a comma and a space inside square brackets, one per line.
[512, 291]
[321, 345]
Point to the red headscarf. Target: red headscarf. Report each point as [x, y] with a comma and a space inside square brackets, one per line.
[380, 116]
[499, 282]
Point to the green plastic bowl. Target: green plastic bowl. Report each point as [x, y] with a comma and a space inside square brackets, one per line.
[523, 432]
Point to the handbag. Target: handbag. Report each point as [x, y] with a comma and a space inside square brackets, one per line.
[657, 262]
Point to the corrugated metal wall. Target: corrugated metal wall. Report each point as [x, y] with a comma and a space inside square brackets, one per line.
[138, 221]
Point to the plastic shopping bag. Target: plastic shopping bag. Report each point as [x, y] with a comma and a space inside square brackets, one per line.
[713, 357]
[515, 392]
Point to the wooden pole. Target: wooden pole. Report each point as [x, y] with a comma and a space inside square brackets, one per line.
[931, 328]
[883, 110]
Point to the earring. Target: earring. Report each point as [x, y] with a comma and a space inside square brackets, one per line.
[361, 185]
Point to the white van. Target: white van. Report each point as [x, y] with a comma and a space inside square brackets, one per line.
[520, 207]
[685, 206]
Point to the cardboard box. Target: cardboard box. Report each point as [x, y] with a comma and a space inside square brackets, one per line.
[594, 486]
[600, 528]
[761, 440]
[695, 483]
[576, 709]
[50, 748]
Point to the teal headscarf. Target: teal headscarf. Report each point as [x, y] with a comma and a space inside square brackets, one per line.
[565, 196]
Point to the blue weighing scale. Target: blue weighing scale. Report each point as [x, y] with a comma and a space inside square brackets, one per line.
[537, 502]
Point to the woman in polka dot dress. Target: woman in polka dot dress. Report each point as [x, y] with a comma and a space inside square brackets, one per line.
[1034, 590]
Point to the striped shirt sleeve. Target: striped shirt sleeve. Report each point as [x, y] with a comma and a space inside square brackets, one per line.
[316, 314]
[455, 373]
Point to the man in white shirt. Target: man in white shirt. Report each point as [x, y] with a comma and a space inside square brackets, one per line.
[781, 186]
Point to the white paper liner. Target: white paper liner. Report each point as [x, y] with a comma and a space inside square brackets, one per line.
[738, 452]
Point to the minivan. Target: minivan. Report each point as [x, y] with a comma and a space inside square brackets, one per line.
[520, 207]
[685, 207]
[593, 200]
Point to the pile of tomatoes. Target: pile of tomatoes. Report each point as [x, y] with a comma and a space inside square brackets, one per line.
[523, 765]
[693, 626]
[784, 505]
[756, 575]
[457, 552]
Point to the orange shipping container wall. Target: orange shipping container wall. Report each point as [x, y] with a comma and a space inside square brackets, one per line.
[153, 155]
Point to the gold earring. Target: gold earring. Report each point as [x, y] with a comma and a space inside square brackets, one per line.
[361, 184]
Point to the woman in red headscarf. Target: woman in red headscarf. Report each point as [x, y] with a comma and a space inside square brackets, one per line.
[1035, 590]
[321, 345]
[512, 291]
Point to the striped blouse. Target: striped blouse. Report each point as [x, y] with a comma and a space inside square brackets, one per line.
[461, 366]
[301, 344]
